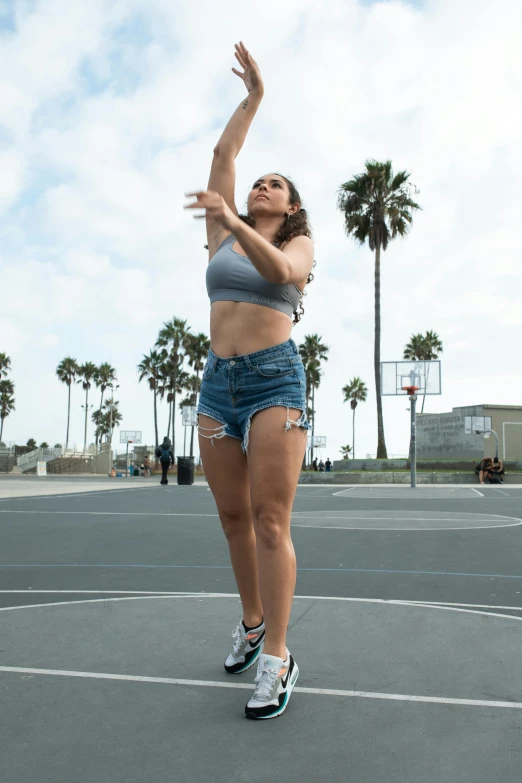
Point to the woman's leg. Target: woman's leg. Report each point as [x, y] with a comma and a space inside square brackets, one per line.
[275, 456]
[226, 471]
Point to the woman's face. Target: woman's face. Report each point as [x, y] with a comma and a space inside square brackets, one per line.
[270, 196]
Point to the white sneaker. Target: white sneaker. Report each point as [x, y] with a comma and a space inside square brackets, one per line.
[247, 646]
[275, 681]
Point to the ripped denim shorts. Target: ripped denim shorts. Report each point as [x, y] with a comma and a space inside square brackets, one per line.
[235, 389]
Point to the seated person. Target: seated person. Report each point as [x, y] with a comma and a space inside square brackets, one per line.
[483, 468]
[496, 474]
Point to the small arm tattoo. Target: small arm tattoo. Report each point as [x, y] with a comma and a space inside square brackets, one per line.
[245, 104]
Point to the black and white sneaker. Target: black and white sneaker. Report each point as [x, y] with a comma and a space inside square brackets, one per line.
[275, 681]
[247, 646]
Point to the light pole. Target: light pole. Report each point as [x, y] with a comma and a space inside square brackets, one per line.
[110, 424]
[86, 408]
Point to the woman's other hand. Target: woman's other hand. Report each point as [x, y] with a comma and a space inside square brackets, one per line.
[251, 74]
[215, 207]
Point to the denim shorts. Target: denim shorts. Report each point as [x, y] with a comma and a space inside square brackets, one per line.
[234, 389]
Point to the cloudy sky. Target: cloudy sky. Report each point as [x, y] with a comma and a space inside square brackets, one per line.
[109, 112]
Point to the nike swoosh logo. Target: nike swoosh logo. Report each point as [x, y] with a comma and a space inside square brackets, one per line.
[284, 682]
[254, 644]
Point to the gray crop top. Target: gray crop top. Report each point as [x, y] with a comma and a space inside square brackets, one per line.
[233, 278]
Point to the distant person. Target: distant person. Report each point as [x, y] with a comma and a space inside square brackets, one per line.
[328, 465]
[321, 466]
[166, 457]
[314, 464]
[496, 474]
[483, 468]
[146, 466]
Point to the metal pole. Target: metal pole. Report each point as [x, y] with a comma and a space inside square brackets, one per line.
[496, 445]
[413, 445]
[110, 430]
[127, 460]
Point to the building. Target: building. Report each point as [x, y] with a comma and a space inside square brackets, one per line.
[442, 435]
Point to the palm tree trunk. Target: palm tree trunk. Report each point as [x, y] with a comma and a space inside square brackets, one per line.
[86, 413]
[353, 435]
[97, 429]
[424, 395]
[173, 422]
[170, 415]
[156, 417]
[381, 444]
[1, 427]
[68, 419]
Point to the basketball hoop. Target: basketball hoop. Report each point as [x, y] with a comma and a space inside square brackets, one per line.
[410, 389]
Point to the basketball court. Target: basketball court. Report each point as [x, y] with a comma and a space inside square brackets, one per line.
[117, 607]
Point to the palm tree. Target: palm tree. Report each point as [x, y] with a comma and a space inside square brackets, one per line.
[356, 392]
[96, 419]
[31, 444]
[67, 371]
[7, 401]
[150, 368]
[87, 373]
[313, 352]
[5, 365]
[345, 451]
[110, 417]
[105, 376]
[173, 338]
[197, 351]
[377, 207]
[423, 348]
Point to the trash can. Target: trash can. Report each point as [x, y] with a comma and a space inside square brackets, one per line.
[136, 472]
[185, 470]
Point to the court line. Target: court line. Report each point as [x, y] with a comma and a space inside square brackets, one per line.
[407, 529]
[477, 491]
[203, 594]
[229, 568]
[244, 686]
[444, 493]
[51, 496]
[304, 527]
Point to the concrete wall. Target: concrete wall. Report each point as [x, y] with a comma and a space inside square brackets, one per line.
[508, 413]
[442, 435]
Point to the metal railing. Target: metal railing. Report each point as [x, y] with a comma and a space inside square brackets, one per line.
[30, 460]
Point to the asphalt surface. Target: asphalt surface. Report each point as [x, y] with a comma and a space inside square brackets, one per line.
[402, 597]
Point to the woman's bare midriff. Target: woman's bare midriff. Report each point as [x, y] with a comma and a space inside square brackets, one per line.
[237, 328]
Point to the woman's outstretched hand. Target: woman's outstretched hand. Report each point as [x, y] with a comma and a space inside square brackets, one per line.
[215, 207]
[251, 74]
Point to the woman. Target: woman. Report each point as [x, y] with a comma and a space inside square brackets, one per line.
[252, 407]
[483, 469]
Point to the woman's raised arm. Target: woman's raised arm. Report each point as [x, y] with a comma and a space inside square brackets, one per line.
[223, 172]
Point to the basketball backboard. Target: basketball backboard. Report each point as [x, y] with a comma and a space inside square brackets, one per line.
[396, 376]
[130, 436]
[477, 424]
[319, 442]
[189, 416]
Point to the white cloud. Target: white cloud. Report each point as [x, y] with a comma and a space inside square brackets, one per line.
[110, 112]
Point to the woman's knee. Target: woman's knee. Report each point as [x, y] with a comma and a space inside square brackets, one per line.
[272, 527]
[235, 521]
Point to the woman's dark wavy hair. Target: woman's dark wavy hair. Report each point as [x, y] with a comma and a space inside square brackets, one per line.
[296, 225]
